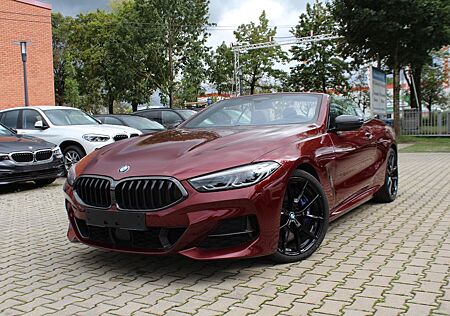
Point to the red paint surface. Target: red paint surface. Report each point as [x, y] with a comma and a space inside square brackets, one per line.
[350, 168]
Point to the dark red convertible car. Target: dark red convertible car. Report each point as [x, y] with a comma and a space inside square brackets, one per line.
[251, 176]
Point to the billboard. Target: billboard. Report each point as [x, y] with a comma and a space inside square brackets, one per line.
[378, 90]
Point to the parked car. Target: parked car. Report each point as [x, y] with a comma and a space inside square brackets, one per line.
[266, 182]
[170, 118]
[26, 158]
[74, 131]
[143, 124]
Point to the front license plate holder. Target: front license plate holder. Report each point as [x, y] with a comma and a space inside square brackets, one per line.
[116, 219]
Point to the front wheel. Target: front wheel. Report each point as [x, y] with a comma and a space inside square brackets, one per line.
[72, 154]
[388, 192]
[304, 219]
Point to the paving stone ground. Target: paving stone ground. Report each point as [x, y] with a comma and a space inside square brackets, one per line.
[382, 259]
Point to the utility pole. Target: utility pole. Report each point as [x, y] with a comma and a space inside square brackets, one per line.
[23, 50]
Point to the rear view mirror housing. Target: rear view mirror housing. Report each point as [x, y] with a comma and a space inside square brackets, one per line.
[348, 123]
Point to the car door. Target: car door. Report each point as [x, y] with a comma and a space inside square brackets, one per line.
[354, 154]
[11, 119]
[27, 122]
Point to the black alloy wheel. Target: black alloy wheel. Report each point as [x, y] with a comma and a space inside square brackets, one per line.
[304, 219]
[388, 192]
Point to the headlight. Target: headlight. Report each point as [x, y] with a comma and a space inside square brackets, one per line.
[57, 152]
[235, 178]
[4, 157]
[71, 176]
[96, 138]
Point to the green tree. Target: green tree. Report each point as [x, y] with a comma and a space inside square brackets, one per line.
[221, 69]
[321, 64]
[61, 31]
[168, 30]
[258, 65]
[401, 32]
[433, 91]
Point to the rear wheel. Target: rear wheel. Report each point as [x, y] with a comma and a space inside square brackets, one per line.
[72, 154]
[388, 192]
[304, 219]
[43, 182]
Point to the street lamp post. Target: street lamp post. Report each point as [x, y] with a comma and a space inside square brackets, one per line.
[23, 50]
[241, 77]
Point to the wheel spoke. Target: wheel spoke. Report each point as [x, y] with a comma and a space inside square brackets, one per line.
[309, 204]
[297, 240]
[315, 217]
[303, 191]
[285, 238]
[308, 233]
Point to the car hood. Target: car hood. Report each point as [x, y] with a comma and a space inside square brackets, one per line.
[183, 153]
[104, 129]
[15, 143]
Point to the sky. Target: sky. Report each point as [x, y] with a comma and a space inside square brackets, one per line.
[227, 14]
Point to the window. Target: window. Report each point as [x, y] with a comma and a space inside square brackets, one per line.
[111, 120]
[63, 117]
[10, 118]
[260, 110]
[29, 119]
[343, 106]
[152, 115]
[170, 118]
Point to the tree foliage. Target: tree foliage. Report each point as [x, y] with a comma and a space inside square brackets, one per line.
[322, 66]
[221, 69]
[258, 65]
[433, 91]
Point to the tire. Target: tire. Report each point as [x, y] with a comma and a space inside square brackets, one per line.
[72, 154]
[43, 182]
[304, 219]
[388, 192]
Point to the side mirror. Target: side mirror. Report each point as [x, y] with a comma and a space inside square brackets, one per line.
[39, 125]
[174, 124]
[348, 123]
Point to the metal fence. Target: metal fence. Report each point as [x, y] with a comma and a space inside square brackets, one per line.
[435, 123]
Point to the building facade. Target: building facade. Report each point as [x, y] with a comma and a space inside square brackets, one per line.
[26, 21]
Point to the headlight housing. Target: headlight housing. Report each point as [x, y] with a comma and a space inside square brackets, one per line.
[4, 157]
[57, 152]
[71, 176]
[235, 178]
[94, 138]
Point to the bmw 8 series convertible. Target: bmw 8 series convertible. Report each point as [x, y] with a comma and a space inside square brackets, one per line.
[252, 176]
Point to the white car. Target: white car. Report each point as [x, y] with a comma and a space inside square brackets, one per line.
[75, 132]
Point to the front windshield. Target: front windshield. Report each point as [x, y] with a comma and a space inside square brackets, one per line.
[260, 110]
[63, 117]
[141, 123]
[4, 131]
[185, 114]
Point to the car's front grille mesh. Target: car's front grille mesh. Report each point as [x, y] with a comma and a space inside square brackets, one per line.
[144, 194]
[147, 194]
[43, 155]
[120, 137]
[22, 157]
[94, 191]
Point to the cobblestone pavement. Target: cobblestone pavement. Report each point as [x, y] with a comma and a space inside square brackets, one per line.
[380, 259]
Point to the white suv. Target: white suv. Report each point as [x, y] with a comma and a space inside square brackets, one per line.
[74, 131]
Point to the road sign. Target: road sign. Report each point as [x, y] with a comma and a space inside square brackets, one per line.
[378, 91]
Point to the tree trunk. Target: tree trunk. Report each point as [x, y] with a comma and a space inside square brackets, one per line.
[111, 106]
[415, 86]
[171, 76]
[396, 92]
[134, 106]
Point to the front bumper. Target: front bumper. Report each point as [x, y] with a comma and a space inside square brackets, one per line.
[13, 173]
[217, 225]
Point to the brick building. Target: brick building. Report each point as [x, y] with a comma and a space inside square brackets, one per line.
[30, 21]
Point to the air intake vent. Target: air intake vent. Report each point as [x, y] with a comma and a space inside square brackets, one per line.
[147, 194]
[120, 137]
[22, 157]
[43, 155]
[94, 192]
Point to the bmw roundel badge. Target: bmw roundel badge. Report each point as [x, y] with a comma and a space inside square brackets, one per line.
[124, 169]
